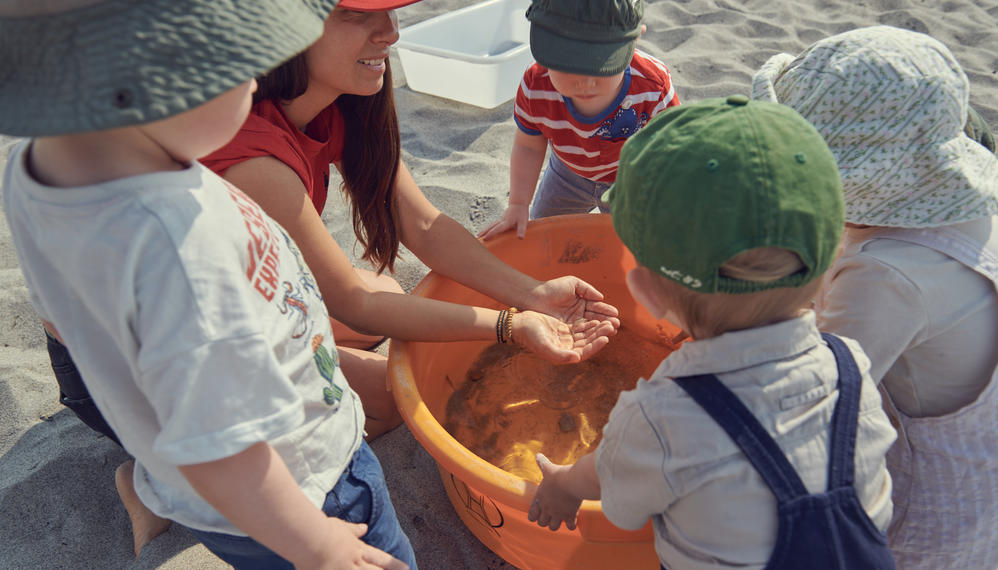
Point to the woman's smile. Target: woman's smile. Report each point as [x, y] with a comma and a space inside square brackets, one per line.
[374, 64]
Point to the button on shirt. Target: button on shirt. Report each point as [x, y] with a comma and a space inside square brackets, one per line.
[663, 457]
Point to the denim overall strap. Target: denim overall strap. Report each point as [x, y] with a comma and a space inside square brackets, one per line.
[828, 530]
[748, 434]
[765, 455]
[841, 462]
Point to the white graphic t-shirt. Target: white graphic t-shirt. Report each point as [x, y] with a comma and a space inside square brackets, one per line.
[195, 323]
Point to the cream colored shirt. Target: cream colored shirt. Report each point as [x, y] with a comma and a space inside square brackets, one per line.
[662, 457]
[928, 322]
[943, 467]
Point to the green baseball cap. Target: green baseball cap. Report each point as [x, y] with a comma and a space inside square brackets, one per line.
[703, 182]
[586, 37]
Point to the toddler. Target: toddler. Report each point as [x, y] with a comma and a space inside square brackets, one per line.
[588, 92]
[915, 283]
[200, 331]
[760, 443]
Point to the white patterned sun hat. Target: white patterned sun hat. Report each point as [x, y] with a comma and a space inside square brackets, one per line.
[892, 105]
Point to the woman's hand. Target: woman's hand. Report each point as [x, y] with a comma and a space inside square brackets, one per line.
[515, 216]
[557, 341]
[570, 299]
[553, 503]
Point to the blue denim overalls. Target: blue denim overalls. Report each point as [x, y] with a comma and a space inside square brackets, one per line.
[827, 530]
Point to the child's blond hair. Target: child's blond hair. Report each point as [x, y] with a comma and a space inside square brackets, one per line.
[705, 315]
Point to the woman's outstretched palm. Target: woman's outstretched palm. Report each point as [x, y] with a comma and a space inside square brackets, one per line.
[560, 342]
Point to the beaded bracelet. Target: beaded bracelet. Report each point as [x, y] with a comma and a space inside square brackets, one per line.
[500, 326]
[509, 323]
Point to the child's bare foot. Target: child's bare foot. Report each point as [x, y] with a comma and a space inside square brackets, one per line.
[145, 524]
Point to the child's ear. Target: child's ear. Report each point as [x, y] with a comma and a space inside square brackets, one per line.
[641, 282]
[644, 29]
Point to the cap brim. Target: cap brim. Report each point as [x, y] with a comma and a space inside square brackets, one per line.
[581, 57]
[374, 5]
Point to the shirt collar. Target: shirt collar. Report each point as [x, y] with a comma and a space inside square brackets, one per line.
[743, 349]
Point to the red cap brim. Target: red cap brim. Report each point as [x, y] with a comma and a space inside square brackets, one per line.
[374, 5]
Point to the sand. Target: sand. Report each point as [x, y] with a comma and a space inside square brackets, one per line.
[58, 507]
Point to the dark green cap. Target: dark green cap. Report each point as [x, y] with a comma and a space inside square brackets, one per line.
[586, 37]
[703, 182]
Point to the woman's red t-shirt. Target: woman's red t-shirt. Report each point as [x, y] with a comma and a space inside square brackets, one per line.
[267, 132]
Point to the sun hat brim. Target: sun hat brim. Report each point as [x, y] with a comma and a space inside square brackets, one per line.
[952, 182]
[582, 57]
[374, 5]
[893, 113]
[118, 63]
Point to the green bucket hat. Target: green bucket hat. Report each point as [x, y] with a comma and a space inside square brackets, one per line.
[703, 182]
[73, 66]
[586, 37]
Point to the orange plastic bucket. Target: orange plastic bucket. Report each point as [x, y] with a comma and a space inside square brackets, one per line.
[491, 502]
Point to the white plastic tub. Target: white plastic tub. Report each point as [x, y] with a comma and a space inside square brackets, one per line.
[474, 55]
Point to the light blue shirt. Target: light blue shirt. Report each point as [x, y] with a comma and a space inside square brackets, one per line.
[662, 457]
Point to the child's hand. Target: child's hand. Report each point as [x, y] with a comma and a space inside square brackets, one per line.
[552, 504]
[515, 216]
[557, 341]
[344, 549]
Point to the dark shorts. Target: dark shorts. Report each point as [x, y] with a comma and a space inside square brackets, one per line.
[73, 392]
[360, 496]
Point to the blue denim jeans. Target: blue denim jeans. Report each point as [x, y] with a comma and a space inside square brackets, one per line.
[360, 496]
[73, 392]
[562, 191]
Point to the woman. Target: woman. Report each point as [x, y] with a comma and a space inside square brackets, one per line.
[333, 104]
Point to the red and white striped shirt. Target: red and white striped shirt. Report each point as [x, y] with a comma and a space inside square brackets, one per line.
[590, 146]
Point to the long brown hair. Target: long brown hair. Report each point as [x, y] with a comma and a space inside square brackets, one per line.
[370, 161]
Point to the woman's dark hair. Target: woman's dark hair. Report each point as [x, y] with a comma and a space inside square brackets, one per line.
[372, 149]
[284, 82]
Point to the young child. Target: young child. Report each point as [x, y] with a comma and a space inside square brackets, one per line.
[916, 281]
[733, 210]
[588, 92]
[199, 330]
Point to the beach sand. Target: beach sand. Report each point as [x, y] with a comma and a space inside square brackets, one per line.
[58, 507]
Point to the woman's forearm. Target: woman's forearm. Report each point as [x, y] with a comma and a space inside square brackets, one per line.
[465, 260]
[407, 317]
[448, 248]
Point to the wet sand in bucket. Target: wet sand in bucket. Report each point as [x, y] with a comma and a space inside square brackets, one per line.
[513, 404]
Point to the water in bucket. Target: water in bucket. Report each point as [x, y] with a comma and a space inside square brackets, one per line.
[512, 404]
